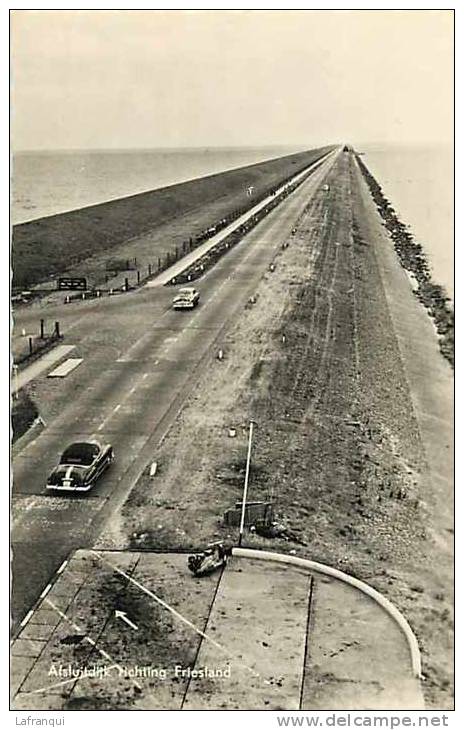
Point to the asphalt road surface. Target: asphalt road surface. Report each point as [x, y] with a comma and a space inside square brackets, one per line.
[140, 360]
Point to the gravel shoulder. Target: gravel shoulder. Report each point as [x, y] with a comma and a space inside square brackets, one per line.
[318, 362]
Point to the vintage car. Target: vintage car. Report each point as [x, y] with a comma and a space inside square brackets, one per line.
[80, 466]
[186, 298]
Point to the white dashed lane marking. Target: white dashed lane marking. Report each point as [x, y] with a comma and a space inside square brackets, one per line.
[26, 618]
[46, 590]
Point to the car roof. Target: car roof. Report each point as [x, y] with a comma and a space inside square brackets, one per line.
[82, 446]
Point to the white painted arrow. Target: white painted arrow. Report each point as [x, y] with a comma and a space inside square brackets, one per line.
[123, 615]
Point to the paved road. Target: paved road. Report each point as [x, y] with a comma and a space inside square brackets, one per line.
[140, 359]
[166, 276]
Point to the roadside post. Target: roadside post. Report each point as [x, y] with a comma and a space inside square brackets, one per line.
[245, 486]
[16, 387]
[42, 325]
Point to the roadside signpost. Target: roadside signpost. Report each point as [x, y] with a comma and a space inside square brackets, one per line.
[245, 486]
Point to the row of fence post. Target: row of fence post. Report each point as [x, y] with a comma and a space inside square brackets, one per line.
[56, 333]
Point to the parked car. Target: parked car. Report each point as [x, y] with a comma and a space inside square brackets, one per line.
[80, 466]
[186, 298]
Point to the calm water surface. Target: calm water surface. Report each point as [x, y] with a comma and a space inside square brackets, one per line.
[419, 184]
[46, 183]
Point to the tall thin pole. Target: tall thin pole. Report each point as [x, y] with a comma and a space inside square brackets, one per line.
[245, 488]
[15, 372]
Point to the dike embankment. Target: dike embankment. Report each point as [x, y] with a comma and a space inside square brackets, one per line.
[183, 214]
[337, 362]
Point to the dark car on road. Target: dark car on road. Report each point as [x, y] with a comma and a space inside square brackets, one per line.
[80, 466]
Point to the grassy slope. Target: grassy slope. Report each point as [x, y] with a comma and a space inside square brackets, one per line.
[49, 245]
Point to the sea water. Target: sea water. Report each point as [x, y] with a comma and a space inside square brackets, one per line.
[419, 183]
[46, 183]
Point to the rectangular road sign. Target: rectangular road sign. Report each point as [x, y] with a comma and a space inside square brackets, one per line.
[255, 512]
[72, 282]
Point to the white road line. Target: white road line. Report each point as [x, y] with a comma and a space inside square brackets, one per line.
[62, 566]
[118, 406]
[46, 590]
[26, 618]
[177, 615]
[88, 638]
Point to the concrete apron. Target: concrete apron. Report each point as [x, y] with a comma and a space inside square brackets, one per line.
[261, 612]
[278, 638]
[316, 643]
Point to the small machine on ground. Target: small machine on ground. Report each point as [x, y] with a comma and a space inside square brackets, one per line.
[206, 562]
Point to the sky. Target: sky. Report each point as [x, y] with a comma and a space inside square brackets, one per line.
[144, 79]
